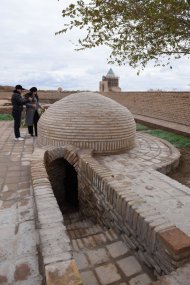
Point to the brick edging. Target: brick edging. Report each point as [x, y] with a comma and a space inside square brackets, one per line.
[55, 247]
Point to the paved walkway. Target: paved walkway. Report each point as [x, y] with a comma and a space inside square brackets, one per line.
[178, 128]
[101, 256]
[19, 262]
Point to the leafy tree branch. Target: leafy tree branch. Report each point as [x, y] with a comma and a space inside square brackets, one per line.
[137, 31]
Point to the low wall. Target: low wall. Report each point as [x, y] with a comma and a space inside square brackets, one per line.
[55, 249]
[167, 106]
[45, 96]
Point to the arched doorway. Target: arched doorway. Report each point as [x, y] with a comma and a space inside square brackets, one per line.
[71, 185]
[63, 178]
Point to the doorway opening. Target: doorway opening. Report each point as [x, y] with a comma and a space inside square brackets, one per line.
[63, 178]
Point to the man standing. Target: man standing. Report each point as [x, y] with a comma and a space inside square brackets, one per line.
[18, 102]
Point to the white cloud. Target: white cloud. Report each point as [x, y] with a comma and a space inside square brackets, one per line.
[32, 55]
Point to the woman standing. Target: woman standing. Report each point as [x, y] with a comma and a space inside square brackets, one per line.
[32, 108]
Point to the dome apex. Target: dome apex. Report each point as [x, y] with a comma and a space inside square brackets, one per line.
[110, 73]
[88, 120]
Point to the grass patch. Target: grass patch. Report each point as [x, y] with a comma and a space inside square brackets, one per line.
[5, 117]
[178, 141]
[140, 127]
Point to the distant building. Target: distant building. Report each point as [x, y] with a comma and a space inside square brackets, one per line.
[109, 83]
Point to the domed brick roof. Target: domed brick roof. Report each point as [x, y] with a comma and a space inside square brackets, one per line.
[88, 120]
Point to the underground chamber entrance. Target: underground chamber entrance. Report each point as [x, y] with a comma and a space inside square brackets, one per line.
[101, 255]
[63, 178]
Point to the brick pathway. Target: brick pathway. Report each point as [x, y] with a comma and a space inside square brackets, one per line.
[101, 255]
[18, 236]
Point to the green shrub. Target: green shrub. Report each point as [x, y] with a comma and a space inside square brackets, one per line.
[5, 117]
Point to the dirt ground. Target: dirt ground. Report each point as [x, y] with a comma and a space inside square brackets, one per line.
[3, 102]
[182, 172]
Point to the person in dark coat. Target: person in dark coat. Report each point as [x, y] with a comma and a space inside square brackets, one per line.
[18, 101]
[32, 115]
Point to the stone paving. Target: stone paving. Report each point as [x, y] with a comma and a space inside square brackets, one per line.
[136, 168]
[19, 262]
[101, 255]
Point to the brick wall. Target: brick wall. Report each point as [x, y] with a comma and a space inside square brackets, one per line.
[57, 263]
[108, 202]
[45, 96]
[168, 106]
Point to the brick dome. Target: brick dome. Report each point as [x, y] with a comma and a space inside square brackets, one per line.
[88, 120]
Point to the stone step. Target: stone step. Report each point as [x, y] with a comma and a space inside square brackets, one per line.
[94, 240]
[82, 232]
[81, 224]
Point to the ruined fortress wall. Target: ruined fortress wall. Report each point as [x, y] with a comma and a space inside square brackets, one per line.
[167, 106]
[45, 96]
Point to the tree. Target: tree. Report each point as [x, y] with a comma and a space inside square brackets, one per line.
[137, 31]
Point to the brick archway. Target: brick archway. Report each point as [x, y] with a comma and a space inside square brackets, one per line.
[61, 165]
[69, 153]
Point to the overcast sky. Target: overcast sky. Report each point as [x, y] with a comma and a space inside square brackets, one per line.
[31, 54]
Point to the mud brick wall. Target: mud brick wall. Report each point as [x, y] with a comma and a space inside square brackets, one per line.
[168, 106]
[45, 96]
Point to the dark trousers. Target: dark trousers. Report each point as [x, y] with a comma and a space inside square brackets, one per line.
[35, 122]
[17, 121]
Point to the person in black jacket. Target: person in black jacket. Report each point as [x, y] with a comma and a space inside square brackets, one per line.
[18, 101]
